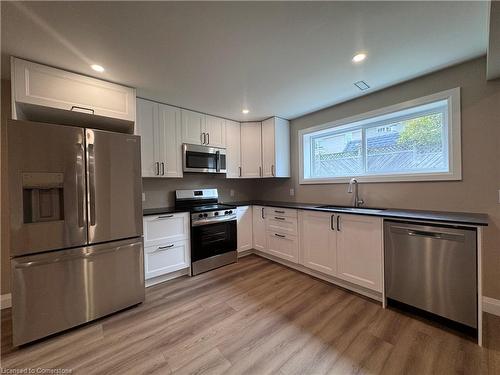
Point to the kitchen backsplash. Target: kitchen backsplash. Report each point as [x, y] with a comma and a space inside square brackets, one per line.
[160, 192]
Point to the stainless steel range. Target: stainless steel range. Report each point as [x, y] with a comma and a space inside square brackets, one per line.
[213, 229]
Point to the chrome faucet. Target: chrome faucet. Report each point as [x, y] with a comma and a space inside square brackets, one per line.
[356, 201]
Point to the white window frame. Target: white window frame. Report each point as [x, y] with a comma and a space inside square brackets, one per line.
[454, 142]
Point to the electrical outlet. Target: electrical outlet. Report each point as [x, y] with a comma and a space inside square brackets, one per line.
[231, 193]
[292, 192]
[144, 197]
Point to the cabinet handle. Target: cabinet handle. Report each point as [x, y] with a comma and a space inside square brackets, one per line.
[157, 168]
[279, 212]
[331, 222]
[272, 170]
[202, 138]
[262, 214]
[162, 168]
[165, 216]
[239, 168]
[208, 138]
[279, 235]
[338, 223]
[279, 218]
[165, 247]
[260, 171]
[73, 107]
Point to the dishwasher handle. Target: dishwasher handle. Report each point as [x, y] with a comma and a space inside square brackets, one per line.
[430, 234]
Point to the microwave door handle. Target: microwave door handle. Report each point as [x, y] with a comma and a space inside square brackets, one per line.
[217, 161]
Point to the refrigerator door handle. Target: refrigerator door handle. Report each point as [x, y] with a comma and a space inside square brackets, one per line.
[80, 184]
[91, 180]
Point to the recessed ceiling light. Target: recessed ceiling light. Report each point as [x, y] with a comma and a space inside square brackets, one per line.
[97, 68]
[245, 111]
[359, 57]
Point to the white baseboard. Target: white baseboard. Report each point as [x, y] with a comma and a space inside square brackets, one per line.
[5, 301]
[167, 277]
[491, 305]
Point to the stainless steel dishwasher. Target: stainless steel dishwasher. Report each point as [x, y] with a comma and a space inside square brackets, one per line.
[433, 268]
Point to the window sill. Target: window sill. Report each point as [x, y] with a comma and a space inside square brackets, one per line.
[385, 178]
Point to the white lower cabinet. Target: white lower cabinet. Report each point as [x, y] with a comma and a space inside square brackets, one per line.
[318, 241]
[348, 247]
[284, 246]
[244, 228]
[166, 245]
[359, 250]
[259, 228]
[161, 260]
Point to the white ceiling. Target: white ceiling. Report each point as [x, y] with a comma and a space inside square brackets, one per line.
[278, 58]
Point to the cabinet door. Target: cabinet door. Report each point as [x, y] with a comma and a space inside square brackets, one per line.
[251, 150]
[281, 147]
[215, 129]
[318, 249]
[169, 125]
[193, 125]
[233, 136]
[268, 150]
[359, 250]
[259, 228]
[160, 229]
[147, 128]
[244, 229]
[162, 259]
[55, 88]
[283, 246]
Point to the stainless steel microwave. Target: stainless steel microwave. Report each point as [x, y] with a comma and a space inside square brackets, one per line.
[203, 159]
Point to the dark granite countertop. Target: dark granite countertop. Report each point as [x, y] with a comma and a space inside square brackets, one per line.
[161, 211]
[466, 218]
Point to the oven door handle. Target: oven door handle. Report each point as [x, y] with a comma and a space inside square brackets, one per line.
[221, 219]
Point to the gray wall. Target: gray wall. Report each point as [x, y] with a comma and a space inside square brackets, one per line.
[477, 192]
[160, 191]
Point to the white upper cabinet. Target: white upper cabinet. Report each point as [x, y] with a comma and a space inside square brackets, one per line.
[233, 149]
[159, 126]
[251, 150]
[193, 126]
[169, 121]
[359, 250]
[200, 129]
[147, 128]
[318, 241]
[215, 130]
[38, 89]
[275, 148]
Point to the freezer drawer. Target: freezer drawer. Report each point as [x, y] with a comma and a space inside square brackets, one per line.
[61, 289]
[433, 268]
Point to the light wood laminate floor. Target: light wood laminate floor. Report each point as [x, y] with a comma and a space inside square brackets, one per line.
[257, 317]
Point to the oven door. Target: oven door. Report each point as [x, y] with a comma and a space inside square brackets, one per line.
[203, 159]
[213, 239]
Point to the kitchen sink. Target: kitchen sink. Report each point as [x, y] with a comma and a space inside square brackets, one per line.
[352, 209]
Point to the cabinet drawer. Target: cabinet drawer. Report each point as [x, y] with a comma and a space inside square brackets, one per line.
[272, 211]
[283, 246]
[162, 259]
[161, 229]
[281, 224]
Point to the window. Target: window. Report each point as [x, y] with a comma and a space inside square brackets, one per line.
[417, 140]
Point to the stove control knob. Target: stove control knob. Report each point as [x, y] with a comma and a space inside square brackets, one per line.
[230, 212]
[200, 216]
[216, 214]
[205, 215]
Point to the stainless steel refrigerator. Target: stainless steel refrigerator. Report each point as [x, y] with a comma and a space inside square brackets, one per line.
[75, 226]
